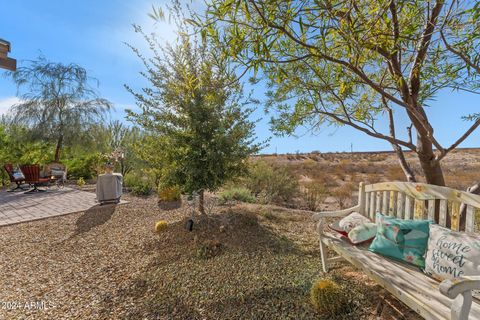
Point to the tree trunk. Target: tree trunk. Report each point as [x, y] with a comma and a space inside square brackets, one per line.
[432, 171]
[58, 148]
[201, 202]
[431, 168]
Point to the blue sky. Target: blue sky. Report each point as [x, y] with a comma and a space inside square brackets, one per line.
[91, 33]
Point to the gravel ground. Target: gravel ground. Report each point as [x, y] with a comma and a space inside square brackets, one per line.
[108, 263]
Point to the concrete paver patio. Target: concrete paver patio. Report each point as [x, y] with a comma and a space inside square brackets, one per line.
[18, 207]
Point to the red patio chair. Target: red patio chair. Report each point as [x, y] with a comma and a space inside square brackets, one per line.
[19, 181]
[32, 177]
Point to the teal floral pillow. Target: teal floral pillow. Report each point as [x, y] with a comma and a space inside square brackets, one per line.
[404, 240]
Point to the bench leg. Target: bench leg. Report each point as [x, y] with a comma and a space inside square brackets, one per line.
[461, 306]
[323, 249]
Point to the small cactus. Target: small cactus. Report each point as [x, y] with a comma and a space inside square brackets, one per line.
[327, 297]
[161, 225]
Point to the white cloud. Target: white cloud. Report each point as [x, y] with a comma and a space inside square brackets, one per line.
[6, 103]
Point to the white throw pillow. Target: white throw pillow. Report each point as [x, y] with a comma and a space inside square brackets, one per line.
[452, 254]
[362, 233]
[349, 222]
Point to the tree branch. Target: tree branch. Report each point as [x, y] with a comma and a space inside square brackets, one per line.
[407, 170]
[462, 56]
[460, 140]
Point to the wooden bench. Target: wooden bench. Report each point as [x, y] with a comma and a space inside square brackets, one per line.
[405, 200]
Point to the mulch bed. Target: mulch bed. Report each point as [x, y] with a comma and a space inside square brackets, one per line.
[243, 262]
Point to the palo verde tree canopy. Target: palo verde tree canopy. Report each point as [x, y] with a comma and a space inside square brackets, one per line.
[355, 62]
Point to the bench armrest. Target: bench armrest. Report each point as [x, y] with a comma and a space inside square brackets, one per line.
[461, 291]
[452, 288]
[340, 213]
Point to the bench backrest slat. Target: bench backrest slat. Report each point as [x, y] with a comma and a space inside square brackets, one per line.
[372, 206]
[367, 204]
[401, 205]
[422, 191]
[392, 207]
[385, 201]
[407, 200]
[431, 210]
[455, 216]
[470, 219]
[409, 203]
[443, 213]
[378, 201]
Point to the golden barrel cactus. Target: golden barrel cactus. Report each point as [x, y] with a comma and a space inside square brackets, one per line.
[327, 297]
[160, 226]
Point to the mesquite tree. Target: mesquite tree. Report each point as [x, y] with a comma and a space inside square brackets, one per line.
[56, 102]
[195, 116]
[355, 63]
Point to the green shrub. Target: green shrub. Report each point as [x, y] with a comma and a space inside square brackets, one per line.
[271, 184]
[84, 166]
[139, 185]
[328, 298]
[236, 193]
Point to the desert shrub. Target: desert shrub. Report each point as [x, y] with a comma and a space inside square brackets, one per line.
[160, 226]
[139, 184]
[313, 195]
[343, 194]
[374, 178]
[80, 182]
[268, 214]
[169, 193]
[84, 166]
[209, 249]
[395, 173]
[236, 193]
[328, 298]
[271, 184]
[143, 188]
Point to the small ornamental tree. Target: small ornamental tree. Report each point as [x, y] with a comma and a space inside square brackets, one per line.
[357, 63]
[57, 102]
[195, 114]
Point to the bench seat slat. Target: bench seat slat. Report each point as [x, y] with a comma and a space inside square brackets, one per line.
[406, 282]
